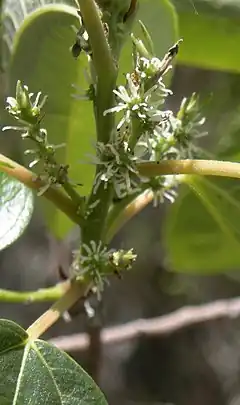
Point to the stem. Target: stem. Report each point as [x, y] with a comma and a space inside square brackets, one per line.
[46, 320]
[118, 218]
[43, 294]
[130, 210]
[106, 76]
[56, 196]
[105, 67]
[75, 197]
[96, 221]
[136, 132]
[67, 186]
[102, 56]
[190, 166]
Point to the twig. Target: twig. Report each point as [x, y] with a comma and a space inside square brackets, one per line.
[25, 176]
[48, 318]
[41, 295]
[190, 166]
[132, 209]
[160, 326]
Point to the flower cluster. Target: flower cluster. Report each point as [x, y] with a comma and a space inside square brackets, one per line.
[22, 108]
[117, 166]
[163, 187]
[154, 133]
[29, 113]
[189, 126]
[96, 262]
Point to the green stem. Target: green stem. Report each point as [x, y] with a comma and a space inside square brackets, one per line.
[106, 75]
[75, 197]
[121, 217]
[102, 56]
[94, 228]
[56, 196]
[67, 186]
[105, 67]
[136, 132]
[48, 318]
[27, 297]
[190, 166]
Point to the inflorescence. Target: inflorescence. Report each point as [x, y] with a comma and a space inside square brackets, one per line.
[97, 262]
[145, 131]
[29, 113]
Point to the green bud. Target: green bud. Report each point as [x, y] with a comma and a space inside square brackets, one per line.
[22, 97]
[122, 259]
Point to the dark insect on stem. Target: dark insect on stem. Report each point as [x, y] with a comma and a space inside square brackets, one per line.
[170, 55]
[173, 51]
[166, 62]
[76, 49]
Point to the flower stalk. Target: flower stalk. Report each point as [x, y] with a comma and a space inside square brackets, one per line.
[190, 167]
[52, 193]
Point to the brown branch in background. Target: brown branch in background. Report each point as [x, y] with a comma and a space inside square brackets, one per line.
[160, 326]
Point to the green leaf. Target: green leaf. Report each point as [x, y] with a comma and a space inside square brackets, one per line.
[37, 373]
[16, 207]
[41, 59]
[202, 229]
[211, 33]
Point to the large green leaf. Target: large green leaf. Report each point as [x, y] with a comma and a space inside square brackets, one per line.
[211, 33]
[16, 207]
[37, 373]
[202, 229]
[40, 57]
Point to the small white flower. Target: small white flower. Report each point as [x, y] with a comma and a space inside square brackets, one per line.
[12, 103]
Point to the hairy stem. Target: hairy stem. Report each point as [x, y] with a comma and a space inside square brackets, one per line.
[56, 196]
[29, 297]
[190, 166]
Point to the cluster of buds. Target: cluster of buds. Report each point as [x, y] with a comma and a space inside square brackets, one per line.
[96, 262]
[153, 133]
[28, 111]
[117, 167]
